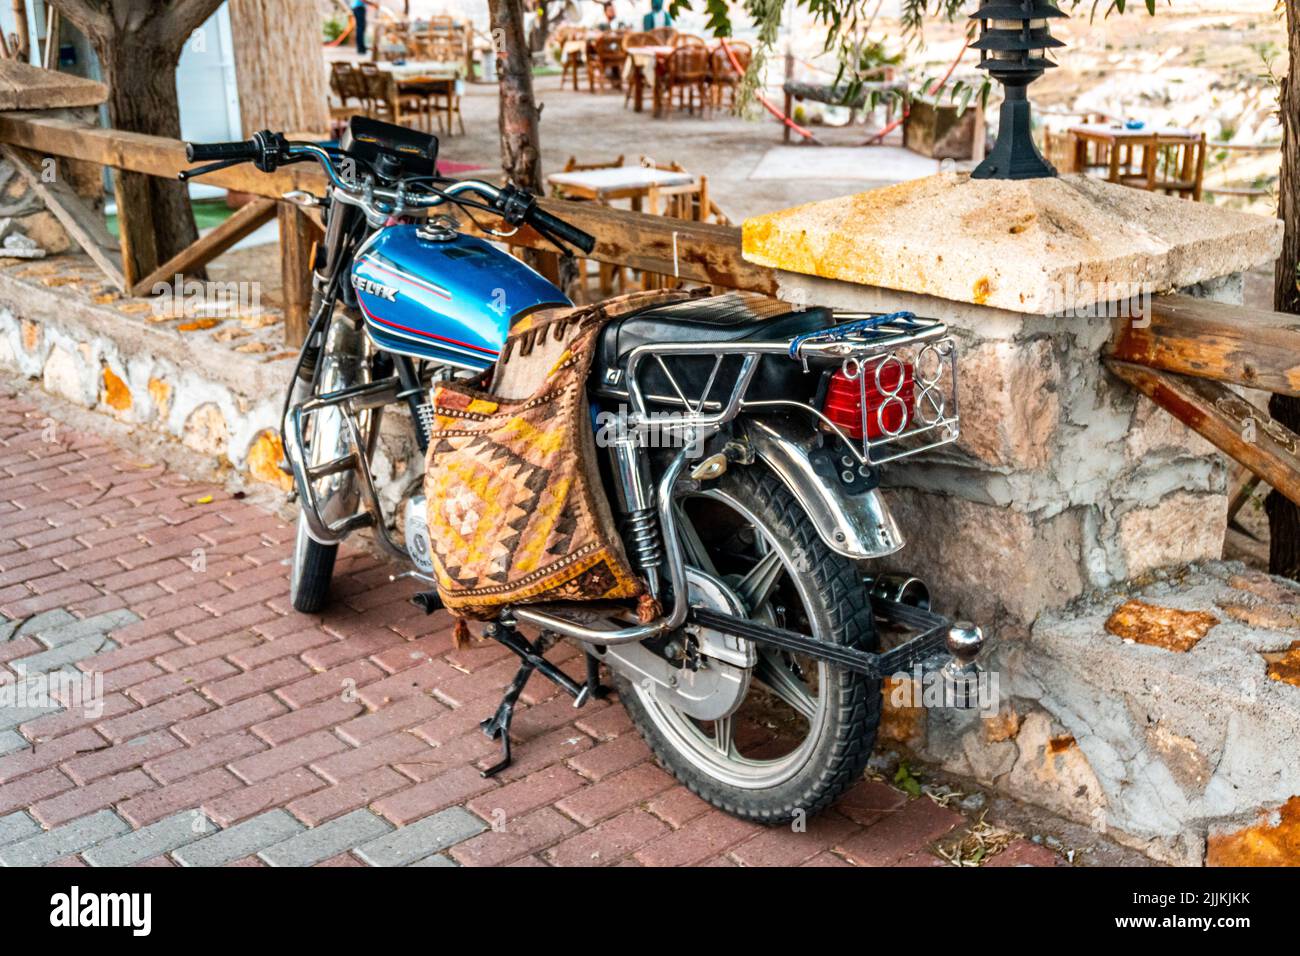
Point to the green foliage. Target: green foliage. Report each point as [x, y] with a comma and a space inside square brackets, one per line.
[334, 28]
[848, 24]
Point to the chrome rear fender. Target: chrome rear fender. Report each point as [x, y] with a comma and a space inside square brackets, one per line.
[855, 524]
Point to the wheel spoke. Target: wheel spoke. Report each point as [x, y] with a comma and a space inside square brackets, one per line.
[773, 671]
[758, 584]
[724, 735]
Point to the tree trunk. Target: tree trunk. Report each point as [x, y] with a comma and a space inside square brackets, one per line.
[520, 151]
[279, 66]
[144, 100]
[1283, 514]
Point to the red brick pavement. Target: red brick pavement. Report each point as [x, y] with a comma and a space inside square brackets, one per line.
[220, 697]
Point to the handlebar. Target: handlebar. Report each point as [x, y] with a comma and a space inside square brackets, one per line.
[269, 150]
[544, 222]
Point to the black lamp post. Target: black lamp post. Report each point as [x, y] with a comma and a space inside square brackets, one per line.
[1013, 44]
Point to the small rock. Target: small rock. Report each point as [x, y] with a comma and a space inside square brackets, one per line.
[885, 762]
[18, 246]
[973, 803]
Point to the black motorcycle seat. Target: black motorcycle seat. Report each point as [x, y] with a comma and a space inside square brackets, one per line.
[730, 317]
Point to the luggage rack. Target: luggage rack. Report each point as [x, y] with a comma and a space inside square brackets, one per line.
[864, 346]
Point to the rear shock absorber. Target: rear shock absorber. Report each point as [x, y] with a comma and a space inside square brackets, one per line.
[635, 499]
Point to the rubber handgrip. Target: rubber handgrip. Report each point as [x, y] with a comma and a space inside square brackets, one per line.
[570, 234]
[210, 152]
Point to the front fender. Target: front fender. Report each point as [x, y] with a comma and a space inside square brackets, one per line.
[858, 524]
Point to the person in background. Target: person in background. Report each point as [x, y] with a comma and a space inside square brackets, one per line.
[359, 21]
[657, 17]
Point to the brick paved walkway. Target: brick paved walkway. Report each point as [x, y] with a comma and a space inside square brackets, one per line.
[235, 731]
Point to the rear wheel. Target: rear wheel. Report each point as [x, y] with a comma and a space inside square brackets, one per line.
[805, 729]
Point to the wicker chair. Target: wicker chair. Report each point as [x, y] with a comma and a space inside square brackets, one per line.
[687, 75]
[723, 75]
[605, 59]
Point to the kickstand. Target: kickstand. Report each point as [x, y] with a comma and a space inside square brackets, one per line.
[530, 655]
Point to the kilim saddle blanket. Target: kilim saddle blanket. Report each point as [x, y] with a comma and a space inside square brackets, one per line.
[517, 513]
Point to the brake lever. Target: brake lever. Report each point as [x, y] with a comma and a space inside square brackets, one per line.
[187, 174]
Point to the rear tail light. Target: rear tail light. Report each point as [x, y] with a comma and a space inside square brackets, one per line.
[886, 384]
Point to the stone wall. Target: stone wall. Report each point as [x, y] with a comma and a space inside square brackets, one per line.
[1188, 753]
[192, 379]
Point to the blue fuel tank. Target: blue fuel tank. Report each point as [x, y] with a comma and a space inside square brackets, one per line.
[449, 299]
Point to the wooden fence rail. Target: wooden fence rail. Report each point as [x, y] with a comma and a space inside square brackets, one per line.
[1184, 359]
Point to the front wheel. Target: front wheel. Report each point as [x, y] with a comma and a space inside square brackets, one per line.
[804, 730]
[310, 572]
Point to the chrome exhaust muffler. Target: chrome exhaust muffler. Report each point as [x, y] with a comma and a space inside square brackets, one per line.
[899, 588]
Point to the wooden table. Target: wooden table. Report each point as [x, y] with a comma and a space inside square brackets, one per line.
[441, 69]
[641, 186]
[639, 58]
[430, 78]
[612, 183]
[1117, 139]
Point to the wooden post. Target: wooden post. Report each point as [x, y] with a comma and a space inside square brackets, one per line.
[23, 32]
[1265, 446]
[50, 58]
[135, 227]
[297, 242]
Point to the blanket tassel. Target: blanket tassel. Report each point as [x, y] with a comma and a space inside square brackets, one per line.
[648, 609]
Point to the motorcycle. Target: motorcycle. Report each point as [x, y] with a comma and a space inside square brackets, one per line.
[743, 466]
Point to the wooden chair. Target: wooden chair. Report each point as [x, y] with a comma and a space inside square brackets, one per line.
[442, 101]
[346, 85]
[605, 59]
[387, 102]
[1180, 166]
[699, 205]
[1059, 149]
[1125, 167]
[723, 76]
[687, 75]
[573, 166]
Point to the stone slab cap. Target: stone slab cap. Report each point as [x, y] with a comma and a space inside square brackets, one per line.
[1037, 246]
